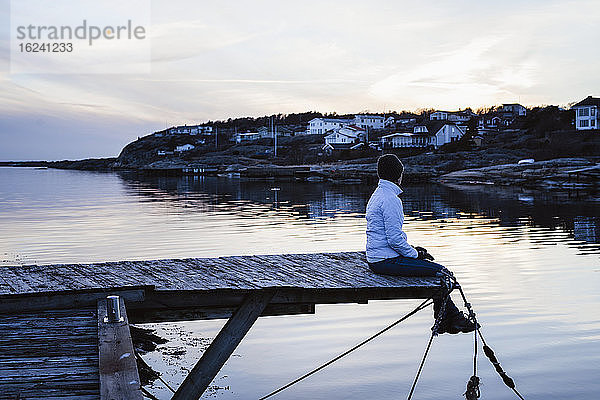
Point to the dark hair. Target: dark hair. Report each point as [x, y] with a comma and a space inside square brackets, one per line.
[389, 167]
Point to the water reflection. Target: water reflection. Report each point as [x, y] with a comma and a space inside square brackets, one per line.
[578, 216]
[518, 254]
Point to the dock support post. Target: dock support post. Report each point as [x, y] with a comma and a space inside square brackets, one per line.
[223, 345]
[119, 378]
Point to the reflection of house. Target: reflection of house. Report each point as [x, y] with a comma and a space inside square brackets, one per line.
[184, 147]
[586, 229]
[586, 113]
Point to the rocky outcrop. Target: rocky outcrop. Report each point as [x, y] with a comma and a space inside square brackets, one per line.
[565, 173]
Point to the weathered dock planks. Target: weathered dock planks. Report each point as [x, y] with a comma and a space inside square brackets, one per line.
[301, 271]
[49, 355]
[51, 315]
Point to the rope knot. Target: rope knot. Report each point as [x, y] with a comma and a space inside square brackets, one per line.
[472, 392]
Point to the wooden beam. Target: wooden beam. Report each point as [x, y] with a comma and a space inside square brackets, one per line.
[61, 300]
[233, 298]
[144, 316]
[119, 378]
[223, 345]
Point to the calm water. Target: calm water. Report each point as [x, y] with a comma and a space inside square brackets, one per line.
[530, 263]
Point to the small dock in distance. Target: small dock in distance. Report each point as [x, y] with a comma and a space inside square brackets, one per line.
[240, 288]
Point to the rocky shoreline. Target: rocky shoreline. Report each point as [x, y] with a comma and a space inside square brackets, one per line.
[469, 168]
[563, 173]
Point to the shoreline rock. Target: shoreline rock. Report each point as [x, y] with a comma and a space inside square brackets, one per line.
[563, 173]
[555, 173]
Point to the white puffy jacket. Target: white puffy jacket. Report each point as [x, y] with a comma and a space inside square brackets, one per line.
[385, 216]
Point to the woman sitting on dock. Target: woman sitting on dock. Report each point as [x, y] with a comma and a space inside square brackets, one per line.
[388, 251]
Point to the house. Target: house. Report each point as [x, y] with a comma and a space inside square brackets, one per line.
[181, 130]
[246, 137]
[319, 126]
[402, 122]
[184, 147]
[265, 132]
[287, 130]
[205, 130]
[368, 121]
[452, 116]
[347, 135]
[407, 139]
[164, 153]
[490, 121]
[190, 130]
[389, 121]
[431, 134]
[513, 110]
[586, 114]
[407, 119]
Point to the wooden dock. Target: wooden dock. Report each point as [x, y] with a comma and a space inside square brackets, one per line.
[44, 301]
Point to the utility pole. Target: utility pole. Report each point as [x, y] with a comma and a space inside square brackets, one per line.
[275, 138]
[216, 138]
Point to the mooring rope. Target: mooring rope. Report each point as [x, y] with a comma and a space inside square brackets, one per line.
[508, 381]
[449, 286]
[421, 306]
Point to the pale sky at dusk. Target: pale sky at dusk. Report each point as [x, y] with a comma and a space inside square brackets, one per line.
[215, 60]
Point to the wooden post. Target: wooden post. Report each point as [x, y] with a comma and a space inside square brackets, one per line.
[119, 378]
[223, 345]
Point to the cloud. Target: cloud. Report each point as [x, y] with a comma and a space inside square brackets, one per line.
[221, 60]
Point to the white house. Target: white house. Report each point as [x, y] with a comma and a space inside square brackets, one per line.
[190, 130]
[265, 132]
[452, 116]
[444, 132]
[434, 133]
[407, 139]
[438, 116]
[346, 135]
[184, 147]
[247, 137]
[586, 114]
[368, 121]
[319, 126]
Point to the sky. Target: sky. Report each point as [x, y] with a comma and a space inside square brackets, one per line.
[219, 60]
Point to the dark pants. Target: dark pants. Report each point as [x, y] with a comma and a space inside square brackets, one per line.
[404, 266]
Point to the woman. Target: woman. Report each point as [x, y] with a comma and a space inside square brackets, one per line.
[388, 251]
